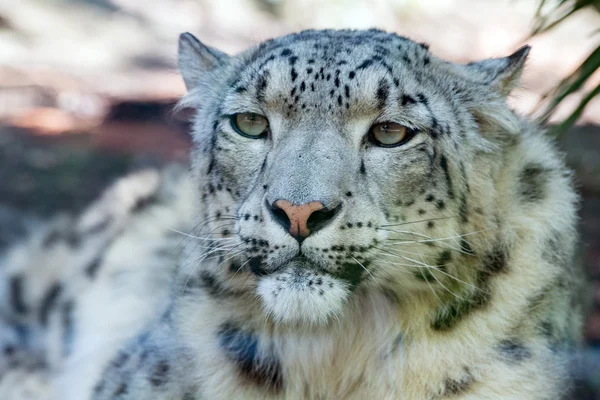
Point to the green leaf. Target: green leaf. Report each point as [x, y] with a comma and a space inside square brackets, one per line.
[567, 123]
[542, 23]
[572, 83]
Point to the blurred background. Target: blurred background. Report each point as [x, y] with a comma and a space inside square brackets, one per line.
[87, 88]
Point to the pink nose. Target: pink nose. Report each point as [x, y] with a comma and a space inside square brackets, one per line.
[298, 216]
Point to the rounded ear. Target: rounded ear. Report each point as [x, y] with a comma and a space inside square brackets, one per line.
[195, 59]
[502, 74]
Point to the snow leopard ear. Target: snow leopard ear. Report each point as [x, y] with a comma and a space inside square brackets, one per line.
[502, 74]
[195, 59]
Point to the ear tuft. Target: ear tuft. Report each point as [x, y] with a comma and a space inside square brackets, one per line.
[195, 59]
[502, 74]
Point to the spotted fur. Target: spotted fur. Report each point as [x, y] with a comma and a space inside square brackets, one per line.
[438, 269]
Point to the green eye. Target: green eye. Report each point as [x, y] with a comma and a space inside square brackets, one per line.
[250, 125]
[390, 134]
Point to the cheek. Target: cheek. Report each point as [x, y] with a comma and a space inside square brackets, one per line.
[398, 177]
[239, 164]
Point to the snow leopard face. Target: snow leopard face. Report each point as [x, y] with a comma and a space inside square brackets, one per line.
[335, 162]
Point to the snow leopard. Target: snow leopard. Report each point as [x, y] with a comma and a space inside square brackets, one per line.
[360, 219]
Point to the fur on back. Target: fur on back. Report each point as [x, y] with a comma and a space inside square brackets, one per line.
[440, 267]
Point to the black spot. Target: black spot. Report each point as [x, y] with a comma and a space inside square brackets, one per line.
[309, 70]
[362, 167]
[293, 60]
[349, 194]
[425, 274]
[261, 86]
[476, 297]
[302, 86]
[532, 182]
[92, 268]
[159, 374]
[426, 60]
[444, 165]
[351, 273]
[189, 396]
[286, 52]
[49, 301]
[97, 228]
[547, 329]
[347, 91]
[121, 359]
[450, 315]
[465, 247]
[211, 166]
[430, 224]
[422, 99]
[8, 350]
[240, 89]
[365, 64]
[121, 389]
[463, 209]
[495, 262]
[383, 91]
[339, 100]
[242, 348]
[440, 204]
[406, 99]
[265, 62]
[52, 238]
[99, 387]
[17, 300]
[444, 258]
[430, 197]
[351, 75]
[424, 46]
[337, 81]
[455, 387]
[513, 351]
[256, 266]
[67, 311]
[139, 206]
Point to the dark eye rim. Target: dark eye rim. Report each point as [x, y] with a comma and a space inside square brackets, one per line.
[410, 133]
[234, 126]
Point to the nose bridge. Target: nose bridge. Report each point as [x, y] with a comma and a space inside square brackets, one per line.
[308, 169]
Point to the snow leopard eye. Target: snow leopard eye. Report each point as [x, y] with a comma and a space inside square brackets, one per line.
[250, 125]
[390, 134]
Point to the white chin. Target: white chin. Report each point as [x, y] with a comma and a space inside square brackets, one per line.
[300, 296]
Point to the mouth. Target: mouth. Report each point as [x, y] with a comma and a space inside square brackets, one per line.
[352, 273]
[300, 292]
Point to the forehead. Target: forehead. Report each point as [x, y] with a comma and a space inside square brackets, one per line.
[338, 66]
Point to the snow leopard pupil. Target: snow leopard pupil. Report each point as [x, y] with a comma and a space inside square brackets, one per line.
[389, 134]
[250, 125]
